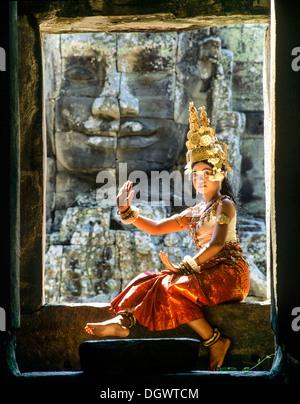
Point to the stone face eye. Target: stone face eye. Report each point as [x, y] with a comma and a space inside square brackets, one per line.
[78, 73]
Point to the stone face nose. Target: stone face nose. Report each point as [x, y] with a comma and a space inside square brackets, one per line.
[106, 108]
[129, 105]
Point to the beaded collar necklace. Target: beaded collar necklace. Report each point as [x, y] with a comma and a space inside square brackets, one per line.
[198, 218]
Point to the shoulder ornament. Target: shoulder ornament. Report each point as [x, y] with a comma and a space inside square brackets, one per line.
[222, 219]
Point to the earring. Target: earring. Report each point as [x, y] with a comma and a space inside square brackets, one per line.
[220, 185]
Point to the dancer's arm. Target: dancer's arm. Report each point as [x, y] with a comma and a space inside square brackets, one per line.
[219, 235]
[153, 227]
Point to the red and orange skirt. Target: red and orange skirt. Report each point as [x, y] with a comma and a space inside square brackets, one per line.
[161, 301]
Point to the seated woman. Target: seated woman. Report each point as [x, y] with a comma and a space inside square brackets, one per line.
[217, 273]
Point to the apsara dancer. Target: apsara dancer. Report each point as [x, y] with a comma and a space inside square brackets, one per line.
[217, 273]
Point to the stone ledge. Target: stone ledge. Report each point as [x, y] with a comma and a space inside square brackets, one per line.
[145, 23]
[49, 338]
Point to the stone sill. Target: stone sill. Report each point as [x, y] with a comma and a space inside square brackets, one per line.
[179, 380]
[49, 338]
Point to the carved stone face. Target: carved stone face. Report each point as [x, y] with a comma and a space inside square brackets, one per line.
[120, 98]
[116, 103]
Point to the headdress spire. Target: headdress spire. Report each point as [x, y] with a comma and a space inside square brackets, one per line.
[202, 144]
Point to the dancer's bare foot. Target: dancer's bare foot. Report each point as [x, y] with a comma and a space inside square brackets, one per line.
[115, 327]
[217, 353]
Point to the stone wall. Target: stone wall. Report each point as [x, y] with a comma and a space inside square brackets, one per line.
[243, 56]
[102, 92]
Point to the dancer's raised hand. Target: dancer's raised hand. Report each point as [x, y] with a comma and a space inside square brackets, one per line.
[125, 196]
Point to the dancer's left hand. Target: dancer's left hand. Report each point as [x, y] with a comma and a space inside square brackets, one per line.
[170, 267]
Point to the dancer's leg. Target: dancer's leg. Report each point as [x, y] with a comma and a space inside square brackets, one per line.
[218, 350]
[115, 327]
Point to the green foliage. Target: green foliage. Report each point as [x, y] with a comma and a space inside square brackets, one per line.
[247, 368]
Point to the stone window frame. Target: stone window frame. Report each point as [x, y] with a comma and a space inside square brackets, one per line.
[33, 250]
[33, 279]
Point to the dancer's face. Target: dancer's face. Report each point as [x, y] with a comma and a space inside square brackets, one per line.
[201, 181]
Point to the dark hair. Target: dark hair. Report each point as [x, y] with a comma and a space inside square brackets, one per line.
[226, 188]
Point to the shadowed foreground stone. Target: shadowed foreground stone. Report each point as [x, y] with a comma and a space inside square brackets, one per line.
[132, 355]
[49, 338]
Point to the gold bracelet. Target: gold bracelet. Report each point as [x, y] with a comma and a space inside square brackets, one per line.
[122, 213]
[130, 215]
[127, 214]
[185, 268]
[192, 263]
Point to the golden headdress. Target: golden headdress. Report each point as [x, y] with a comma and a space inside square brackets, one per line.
[203, 144]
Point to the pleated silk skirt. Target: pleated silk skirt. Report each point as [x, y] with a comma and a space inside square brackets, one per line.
[161, 301]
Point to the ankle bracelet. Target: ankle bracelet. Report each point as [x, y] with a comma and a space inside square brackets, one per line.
[130, 317]
[213, 339]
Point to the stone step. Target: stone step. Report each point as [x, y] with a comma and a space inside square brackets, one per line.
[123, 356]
[49, 338]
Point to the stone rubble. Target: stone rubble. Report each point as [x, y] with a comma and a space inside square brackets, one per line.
[88, 261]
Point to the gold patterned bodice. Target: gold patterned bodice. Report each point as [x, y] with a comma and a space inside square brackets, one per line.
[201, 222]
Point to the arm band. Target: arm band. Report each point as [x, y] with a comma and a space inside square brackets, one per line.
[223, 219]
